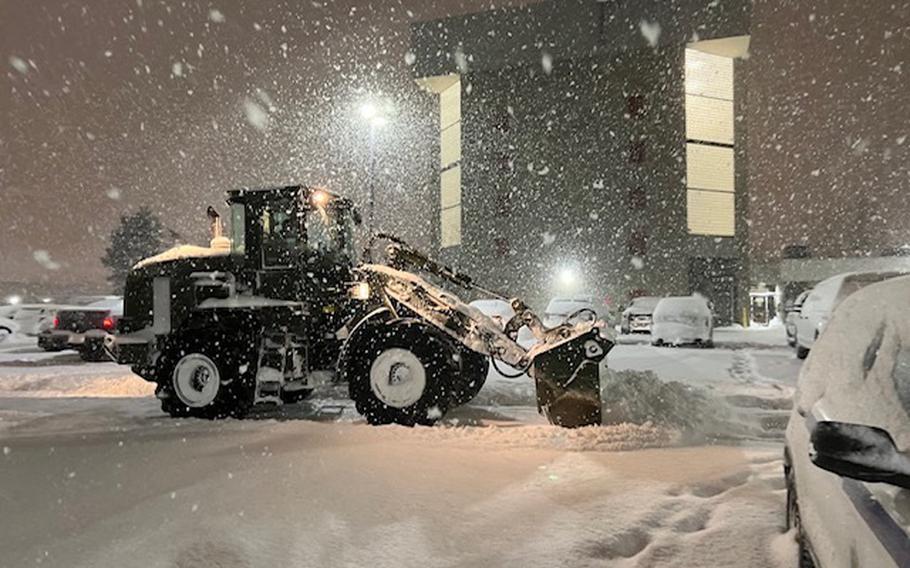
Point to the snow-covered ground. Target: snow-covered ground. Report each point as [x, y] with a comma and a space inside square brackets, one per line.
[92, 474]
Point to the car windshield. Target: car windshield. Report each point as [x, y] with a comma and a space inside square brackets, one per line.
[511, 283]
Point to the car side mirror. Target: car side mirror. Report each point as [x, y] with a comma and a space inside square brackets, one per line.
[860, 452]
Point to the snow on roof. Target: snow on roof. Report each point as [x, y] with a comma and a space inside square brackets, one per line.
[682, 305]
[494, 307]
[180, 252]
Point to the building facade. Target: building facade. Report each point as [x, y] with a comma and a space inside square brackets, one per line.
[591, 148]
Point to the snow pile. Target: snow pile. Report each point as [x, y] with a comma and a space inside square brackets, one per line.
[97, 380]
[613, 438]
[640, 397]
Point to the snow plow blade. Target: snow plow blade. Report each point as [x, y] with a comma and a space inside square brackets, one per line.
[567, 377]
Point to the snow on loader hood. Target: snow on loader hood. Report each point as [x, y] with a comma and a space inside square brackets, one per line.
[185, 251]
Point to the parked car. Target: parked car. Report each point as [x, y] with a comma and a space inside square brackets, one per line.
[7, 328]
[822, 301]
[83, 329]
[501, 312]
[571, 310]
[847, 453]
[498, 310]
[790, 319]
[34, 318]
[680, 320]
[637, 317]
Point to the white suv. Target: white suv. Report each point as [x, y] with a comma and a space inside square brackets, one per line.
[821, 301]
[847, 456]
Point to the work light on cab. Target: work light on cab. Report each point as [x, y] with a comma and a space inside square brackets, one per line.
[319, 198]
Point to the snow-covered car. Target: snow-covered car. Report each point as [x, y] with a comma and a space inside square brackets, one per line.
[637, 317]
[8, 310]
[847, 455]
[793, 312]
[680, 320]
[823, 299]
[34, 318]
[7, 328]
[498, 310]
[83, 329]
[501, 312]
[571, 310]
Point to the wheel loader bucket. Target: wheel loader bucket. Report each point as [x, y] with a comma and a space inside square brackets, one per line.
[567, 377]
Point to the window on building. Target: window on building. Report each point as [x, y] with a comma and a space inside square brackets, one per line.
[637, 152]
[502, 246]
[450, 163]
[638, 199]
[710, 170]
[635, 105]
[638, 242]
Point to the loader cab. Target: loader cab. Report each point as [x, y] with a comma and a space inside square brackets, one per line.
[289, 235]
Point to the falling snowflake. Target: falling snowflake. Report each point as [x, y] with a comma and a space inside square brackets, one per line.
[43, 258]
[18, 64]
[113, 193]
[461, 61]
[410, 58]
[216, 16]
[650, 31]
[256, 116]
[546, 62]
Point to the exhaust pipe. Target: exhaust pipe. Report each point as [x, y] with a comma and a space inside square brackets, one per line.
[219, 241]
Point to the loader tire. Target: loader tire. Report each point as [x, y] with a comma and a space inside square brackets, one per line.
[399, 374]
[470, 379]
[203, 379]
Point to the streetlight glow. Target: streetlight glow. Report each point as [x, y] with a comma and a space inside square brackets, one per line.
[567, 277]
[375, 112]
[369, 111]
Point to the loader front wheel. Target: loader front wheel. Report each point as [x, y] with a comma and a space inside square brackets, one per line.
[399, 374]
[474, 369]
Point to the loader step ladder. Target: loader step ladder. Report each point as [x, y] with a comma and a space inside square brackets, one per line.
[270, 371]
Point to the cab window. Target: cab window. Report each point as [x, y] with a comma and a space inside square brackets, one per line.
[280, 234]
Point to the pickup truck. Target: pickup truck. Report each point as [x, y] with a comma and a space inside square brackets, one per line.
[83, 329]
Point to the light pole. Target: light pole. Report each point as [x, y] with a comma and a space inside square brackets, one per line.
[375, 119]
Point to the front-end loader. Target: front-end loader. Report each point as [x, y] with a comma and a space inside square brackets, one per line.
[259, 316]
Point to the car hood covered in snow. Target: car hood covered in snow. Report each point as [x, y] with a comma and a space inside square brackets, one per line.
[864, 352]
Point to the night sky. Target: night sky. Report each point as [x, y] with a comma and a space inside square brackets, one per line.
[110, 105]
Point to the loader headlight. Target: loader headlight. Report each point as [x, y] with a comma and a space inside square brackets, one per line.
[360, 291]
[320, 198]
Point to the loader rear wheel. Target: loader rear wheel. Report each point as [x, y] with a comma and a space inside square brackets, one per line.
[474, 369]
[199, 380]
[400, 374]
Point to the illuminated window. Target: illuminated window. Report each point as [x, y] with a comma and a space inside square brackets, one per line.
[710, 164]
[450, 164]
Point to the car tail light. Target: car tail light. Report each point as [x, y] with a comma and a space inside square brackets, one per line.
[56, 323]
[109, 323]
